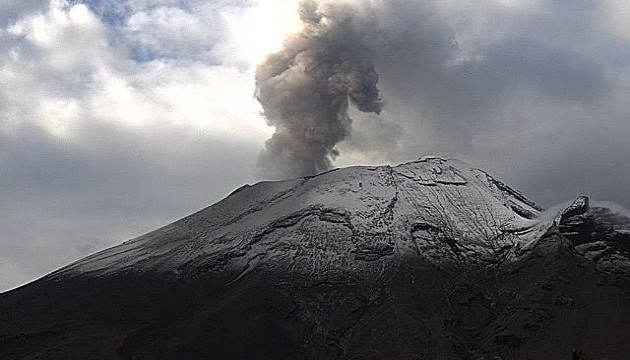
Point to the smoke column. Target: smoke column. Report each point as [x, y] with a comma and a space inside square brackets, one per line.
[306, 90]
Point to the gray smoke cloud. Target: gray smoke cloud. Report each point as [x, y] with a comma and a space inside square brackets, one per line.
[306, 90]
[534, 92]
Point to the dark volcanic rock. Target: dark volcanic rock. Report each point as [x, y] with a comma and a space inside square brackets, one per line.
[427, 260]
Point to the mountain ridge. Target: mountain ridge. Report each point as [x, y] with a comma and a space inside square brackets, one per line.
[431, 259]
[340, 196]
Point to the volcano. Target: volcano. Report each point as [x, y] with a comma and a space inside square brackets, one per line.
[431, 259]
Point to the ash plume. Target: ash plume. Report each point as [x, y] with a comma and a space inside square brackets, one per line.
[306, 90]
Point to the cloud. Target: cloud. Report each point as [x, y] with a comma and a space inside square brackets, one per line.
[499, 83]
[533, 93]
[63, 59]
[10, 11]
[98, 144]
[63, 200]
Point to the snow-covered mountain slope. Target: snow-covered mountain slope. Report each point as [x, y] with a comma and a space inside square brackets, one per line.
[431, 259]
[348, 219]
[599, 234]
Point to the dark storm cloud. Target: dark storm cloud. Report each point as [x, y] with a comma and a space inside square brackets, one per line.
[307, 87]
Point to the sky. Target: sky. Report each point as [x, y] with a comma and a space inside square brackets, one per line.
[120, 116]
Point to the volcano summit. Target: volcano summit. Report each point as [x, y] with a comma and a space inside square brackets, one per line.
[431, 259]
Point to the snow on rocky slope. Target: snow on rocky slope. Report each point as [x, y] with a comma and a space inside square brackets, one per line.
[343, 220]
